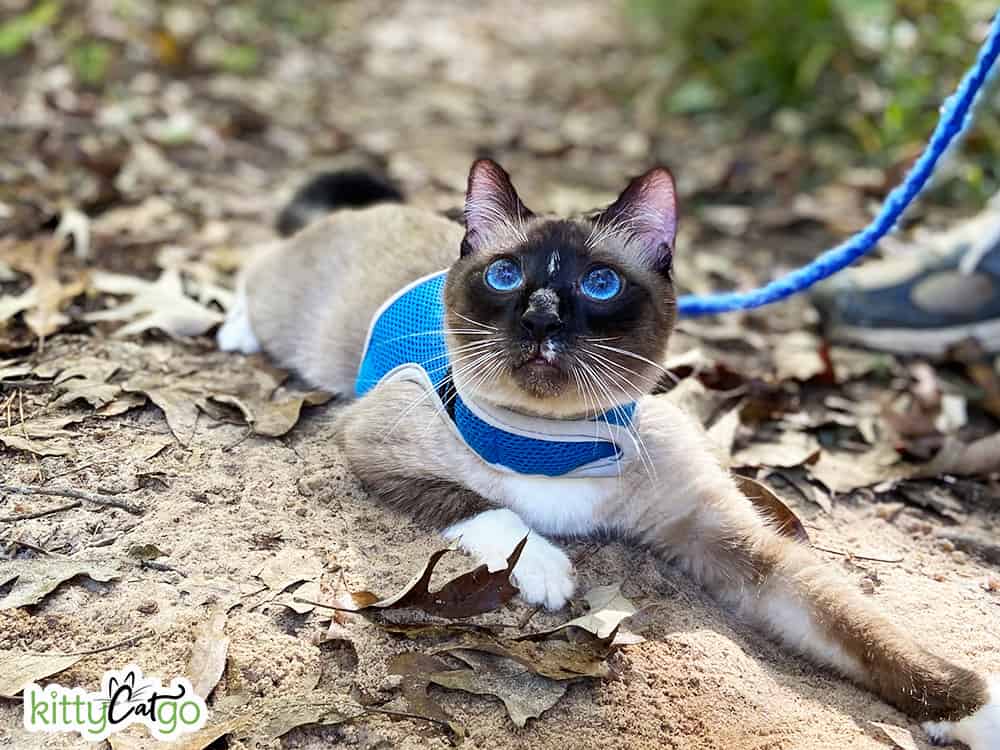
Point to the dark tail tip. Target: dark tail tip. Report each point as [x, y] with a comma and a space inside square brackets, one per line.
[326, 192]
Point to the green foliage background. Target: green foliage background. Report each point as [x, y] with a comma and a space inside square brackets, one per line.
[874, 71]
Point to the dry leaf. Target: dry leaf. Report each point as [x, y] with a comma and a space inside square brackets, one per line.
[14, 370]
[41, 435]
[86, 379]
[182, 397]
[18, 669]
[608, 608]
[288, 567]
[265, 719]
[416, 669]
[901, 738]
[973, 543]
[298, 602]
[21, 443]
[773, 508]
[287, 715]
[469, 594]
[797, 356]
[37, 578]
[342, 623]
[938, 499]
[273, 418]
[524, 695]
[692, 397]
[162, 305]
[208, 656]
[43, 302]
[789, 450]
[842, 472]
[566, 653]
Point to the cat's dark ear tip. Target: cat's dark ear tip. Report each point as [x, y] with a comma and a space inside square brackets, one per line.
[660, 175]
[487, 169]
[659, 181]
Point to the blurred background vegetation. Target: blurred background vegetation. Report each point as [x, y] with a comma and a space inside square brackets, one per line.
[861, 77]
[870, 72]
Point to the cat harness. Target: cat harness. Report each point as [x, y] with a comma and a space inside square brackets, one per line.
[406, 341]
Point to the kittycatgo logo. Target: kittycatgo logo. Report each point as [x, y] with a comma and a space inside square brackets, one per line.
[126, 697]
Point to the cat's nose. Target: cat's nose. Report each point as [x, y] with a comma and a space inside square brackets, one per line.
[541, 323]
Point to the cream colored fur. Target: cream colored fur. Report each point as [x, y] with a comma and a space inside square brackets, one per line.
[309, 303]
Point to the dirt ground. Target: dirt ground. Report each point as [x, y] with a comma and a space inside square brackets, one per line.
[221, 503]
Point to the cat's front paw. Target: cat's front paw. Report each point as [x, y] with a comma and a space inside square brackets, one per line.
[979, 730]
[543, 573]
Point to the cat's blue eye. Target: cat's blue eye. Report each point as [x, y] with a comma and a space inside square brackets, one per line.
[601, 283]
[504, 275]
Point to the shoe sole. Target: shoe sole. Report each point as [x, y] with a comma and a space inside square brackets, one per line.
[927, 341]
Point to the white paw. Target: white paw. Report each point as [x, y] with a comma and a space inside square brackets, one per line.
[543, 573]
[236, 335]
[979, 730]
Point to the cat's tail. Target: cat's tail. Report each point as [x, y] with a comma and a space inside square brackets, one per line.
[329, 191]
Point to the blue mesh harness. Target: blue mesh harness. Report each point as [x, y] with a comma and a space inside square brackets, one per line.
[406, 341]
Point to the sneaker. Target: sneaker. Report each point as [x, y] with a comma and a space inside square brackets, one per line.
[924, 301]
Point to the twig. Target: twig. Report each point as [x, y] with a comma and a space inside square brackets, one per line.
[127, 642]
[35, 548]
[407, 715]
[523, 622]
[376, 710]
[858, 557]
[303, 600]
[40, 513]
[246, 436]
[89, 497]
[79, 468]
[162, 567]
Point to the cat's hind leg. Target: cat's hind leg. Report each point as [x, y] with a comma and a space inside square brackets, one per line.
[700, 519]
[778, 584]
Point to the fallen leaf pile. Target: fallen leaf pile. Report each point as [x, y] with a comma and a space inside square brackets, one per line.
[41, 304]
[782, 414]
[121, 376]
[179, 303]
[528, 672]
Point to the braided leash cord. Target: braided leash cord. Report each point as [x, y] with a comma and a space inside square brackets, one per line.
[956, 116]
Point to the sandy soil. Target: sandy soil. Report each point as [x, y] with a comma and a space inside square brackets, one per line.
[224, 504]
[701, 681]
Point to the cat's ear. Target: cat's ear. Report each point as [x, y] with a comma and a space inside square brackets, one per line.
[492, 207]
[645, 217]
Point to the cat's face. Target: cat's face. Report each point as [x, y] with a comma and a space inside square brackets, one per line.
[561, 317]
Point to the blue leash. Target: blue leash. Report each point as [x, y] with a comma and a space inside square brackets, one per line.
[955, 118]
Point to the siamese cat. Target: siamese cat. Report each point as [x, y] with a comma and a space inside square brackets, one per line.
[505, 369]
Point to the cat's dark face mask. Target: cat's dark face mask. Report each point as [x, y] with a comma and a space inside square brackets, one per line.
[558, 317]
